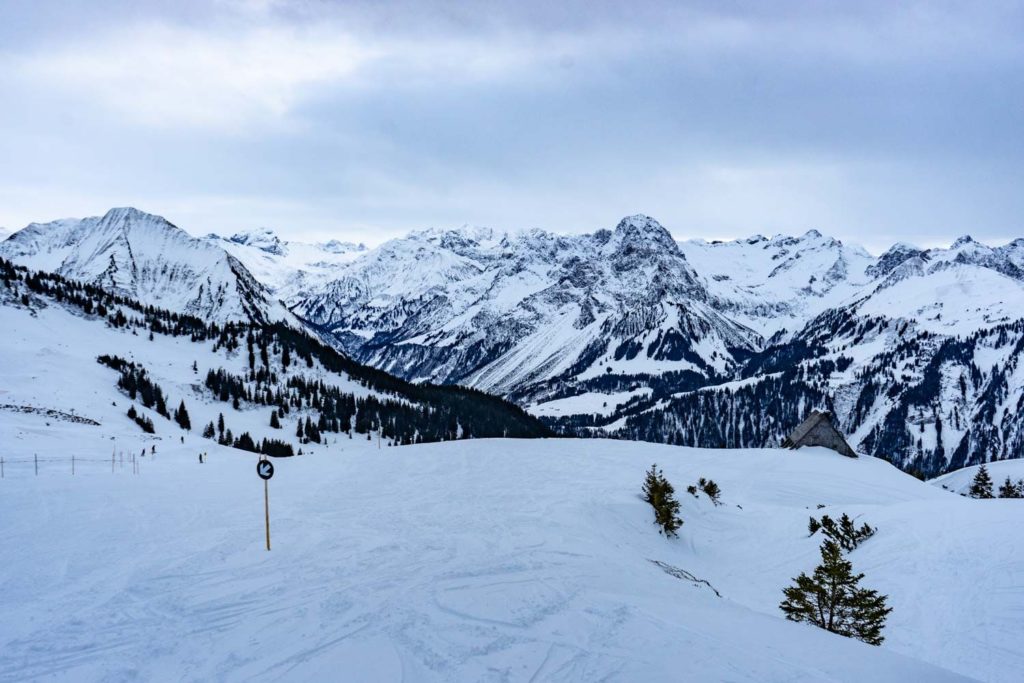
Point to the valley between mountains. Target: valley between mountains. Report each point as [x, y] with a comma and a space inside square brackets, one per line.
[623, 332]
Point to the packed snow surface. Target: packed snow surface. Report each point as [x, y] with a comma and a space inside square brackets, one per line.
[484, 560]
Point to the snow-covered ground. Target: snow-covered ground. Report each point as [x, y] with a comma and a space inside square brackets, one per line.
[960, 480]
[485, 560]
[591, 403]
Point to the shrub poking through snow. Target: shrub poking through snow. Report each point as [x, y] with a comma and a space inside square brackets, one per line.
[812, 527]
[981, 486]
[832, 599]
[661, 495]
[710, 488]
[692, 490]
[844, 533]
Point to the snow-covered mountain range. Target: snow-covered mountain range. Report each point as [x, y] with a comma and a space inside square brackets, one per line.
[292, 270]
[626, 331]
[145, 257]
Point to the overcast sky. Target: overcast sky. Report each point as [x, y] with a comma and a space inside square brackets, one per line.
[870, 121]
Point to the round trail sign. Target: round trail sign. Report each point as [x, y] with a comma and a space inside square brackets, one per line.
[265, 469]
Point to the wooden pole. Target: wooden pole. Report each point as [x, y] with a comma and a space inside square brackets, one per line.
[35, 457]
[72, 465]
[266, 510]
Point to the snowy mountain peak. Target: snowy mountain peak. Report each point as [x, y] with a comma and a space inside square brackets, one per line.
[643, 228]
[455, 237]
[148, 258]
[339, 247]
[264, 239]
[896, 255]
[127, 214]
[963, 240]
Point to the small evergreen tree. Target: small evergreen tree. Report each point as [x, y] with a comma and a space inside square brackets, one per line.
[661, 495]
[274, 422]
[981, 486]
[832, 599]
[710, 488]
[181, 417]
[209, 431]
[812, 527]
[844, 533]
[161, 404]
[1009, 490]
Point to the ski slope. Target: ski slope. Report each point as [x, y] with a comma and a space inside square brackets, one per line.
[495, 560]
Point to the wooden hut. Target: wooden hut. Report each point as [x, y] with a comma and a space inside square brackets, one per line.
[818, 430]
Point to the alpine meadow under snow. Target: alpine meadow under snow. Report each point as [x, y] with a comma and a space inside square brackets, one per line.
[428, 531]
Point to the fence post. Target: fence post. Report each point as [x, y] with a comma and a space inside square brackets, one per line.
[72, 465]
[111, 463]
[35, 457]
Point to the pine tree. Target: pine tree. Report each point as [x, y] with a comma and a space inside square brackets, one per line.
[274, 422]
[832, 599]
[1009, 490]
[209, 431]
[812, 527]
[710, 488]
[981, 487]
[844, 533]
[220, 424]
[661, 495]
[652, 487]
[181, 417]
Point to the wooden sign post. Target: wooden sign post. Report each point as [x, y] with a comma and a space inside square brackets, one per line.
[265, 470]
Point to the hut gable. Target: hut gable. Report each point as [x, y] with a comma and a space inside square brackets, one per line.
[818, 430]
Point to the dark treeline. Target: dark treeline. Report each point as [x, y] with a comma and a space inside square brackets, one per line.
[135, 381]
